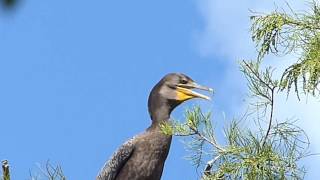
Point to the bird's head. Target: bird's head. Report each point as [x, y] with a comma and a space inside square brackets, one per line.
[172, 90]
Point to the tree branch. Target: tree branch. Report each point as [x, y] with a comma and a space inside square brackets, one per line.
[213, 142]
[5, 170]
[210, 165]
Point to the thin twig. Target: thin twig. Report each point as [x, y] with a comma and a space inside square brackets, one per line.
[210, 165]
[257, 76]
[271, 117]
[213, 142]
[183, 135]
[271, 99]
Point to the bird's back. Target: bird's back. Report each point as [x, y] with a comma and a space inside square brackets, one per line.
[112, 167]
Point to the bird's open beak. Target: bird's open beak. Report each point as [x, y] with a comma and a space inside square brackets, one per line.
[184, 91]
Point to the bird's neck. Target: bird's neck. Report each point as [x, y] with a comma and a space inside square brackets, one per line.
[160, 113]
[159, 107]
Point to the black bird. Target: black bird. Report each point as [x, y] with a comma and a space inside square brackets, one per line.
[143, 156]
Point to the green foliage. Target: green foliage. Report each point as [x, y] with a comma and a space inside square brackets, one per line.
[244, 156]
[266, 32]
[282, 33]
[249, 158]
[308, 69]
[260, 84]
[269, 150]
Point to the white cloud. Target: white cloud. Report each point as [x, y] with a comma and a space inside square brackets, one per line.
[227, 25]
[226, 33]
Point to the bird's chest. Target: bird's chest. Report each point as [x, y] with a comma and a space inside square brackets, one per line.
[147, 160]
[153, 150]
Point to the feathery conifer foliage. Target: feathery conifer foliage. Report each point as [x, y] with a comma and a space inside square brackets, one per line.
[269, 150]
[282, 33]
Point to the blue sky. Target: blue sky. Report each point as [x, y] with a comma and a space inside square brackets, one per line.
[75, 76]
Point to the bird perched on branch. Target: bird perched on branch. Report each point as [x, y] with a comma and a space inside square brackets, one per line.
[143, 156]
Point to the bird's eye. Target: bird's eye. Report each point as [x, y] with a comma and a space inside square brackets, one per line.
[184, 81]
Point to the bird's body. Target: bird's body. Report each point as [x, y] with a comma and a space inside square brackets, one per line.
[147, 160]
[143, 157]
[146, 154]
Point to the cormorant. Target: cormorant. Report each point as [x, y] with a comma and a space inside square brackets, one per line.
[143, 156]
